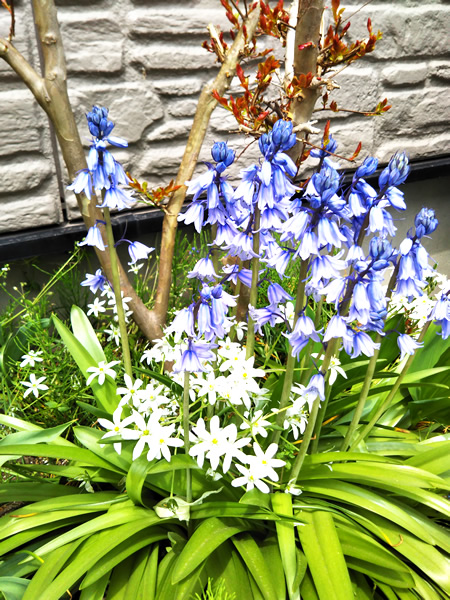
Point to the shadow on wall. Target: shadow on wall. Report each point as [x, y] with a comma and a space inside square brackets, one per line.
[431, 193]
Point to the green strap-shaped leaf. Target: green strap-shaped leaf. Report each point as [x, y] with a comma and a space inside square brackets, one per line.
[175, 387]
[361, 589]
[121, 516]
[119, 578]
[99, 541]
[376, 573]
[257, 566]
[424, 588]
[282, 505]
[32, 492]
[404, 476]
[35, 532]
[96, 591]
[13, 588]
[147, 587]
[135, 577]
[307, 589]
[370, 500]
[188, 587]
[226, 568]
[323, 551]
[271, 554]
[19, 424]
[165, 569]
[206, 538]
[129, 546]
[136, 479]
[104, 394]
[50, 567]
[91, 439]
[302, 565]
[429, 559]
[52, 451]
[97, 412]
[42, 436]
[433, 459]
[360, 545]
[85, 334]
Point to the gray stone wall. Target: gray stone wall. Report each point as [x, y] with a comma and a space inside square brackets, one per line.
[144, 60]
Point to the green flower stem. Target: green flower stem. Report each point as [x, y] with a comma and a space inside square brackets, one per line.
[382, 409]
[310, 428]
[319, 422]
[290, 363]
[362, 397]
[369, 374]
[271, 349]
[46, 288]
[305, 443]
[318, 314]
[186, 434]
[254, 289]
[117, 293]
[214, 249]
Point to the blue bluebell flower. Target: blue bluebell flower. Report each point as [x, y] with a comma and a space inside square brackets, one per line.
[204, 270]
[381, 252]
[277, 294]
[441, 314]
[359, 342]
[326, 149]
[95, 282]
[103, 172]
[94, 237]
[407, 345]
[82, 184]
[138, 251]
[116, 197]
[190, 361]
[336, 328]
[223, 156]
[425, 222]
[396, 172]
[368, 167]
[315, 387]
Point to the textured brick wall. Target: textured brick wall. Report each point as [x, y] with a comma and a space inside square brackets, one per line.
[145, 62]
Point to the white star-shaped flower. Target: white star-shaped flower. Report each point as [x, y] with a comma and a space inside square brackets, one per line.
[101, 371]
[98, 306]
[31, 358]
[34, 385]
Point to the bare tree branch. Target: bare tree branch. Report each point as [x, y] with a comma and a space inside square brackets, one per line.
[205, 107]
[306, 17]
[50, 92]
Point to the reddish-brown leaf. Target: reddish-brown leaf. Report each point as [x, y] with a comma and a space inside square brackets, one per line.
[356, 152]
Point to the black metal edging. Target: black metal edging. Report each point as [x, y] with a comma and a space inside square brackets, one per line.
[61, 238]
[58, 239]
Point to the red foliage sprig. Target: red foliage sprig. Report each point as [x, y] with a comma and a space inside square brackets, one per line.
[155, 196]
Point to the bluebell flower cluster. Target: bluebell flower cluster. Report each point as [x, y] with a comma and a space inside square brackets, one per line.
[104, 174]
[324, 225]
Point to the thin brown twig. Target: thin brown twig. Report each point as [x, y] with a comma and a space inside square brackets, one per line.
[245, 149]
[356, 11]
[325, 150]
[369, 113]
[241, 14]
